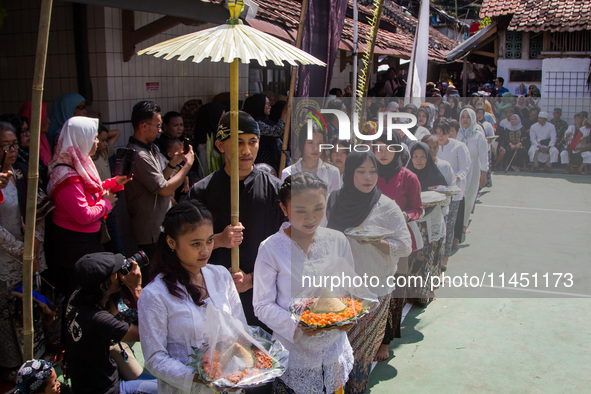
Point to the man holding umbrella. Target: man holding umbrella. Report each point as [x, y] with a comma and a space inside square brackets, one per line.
[260, 214]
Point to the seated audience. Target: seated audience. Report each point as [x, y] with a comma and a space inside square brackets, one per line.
[543, 138]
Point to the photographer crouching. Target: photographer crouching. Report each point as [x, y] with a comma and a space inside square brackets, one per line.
[92, 324]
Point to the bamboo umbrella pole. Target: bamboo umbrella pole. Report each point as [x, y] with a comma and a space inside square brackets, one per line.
[234, 173]
[292, 82]
[33, 180]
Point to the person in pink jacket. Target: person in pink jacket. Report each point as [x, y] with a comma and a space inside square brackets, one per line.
[81, 198]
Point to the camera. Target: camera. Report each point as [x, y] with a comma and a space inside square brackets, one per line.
[140, 258]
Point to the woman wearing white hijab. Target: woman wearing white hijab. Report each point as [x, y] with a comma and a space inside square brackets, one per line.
[472, 134]
[81, 199]
[513, 139]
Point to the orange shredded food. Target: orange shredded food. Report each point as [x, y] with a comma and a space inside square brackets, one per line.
[214, 370]
[324, 319]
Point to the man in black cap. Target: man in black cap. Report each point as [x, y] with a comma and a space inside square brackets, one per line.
[260, 214]
[92, 326]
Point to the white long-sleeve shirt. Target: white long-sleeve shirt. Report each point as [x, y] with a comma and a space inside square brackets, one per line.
[450, 177]
[537, 133]
[315, 362]
[169, 326]
[372, 261]
[327, 172]
[456, 153]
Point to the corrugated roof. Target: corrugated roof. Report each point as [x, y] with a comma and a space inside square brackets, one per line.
[473, 42]
[541, 15]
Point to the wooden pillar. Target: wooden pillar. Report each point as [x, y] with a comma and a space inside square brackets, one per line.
[465, 78]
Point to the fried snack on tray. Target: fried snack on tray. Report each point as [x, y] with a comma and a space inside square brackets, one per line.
[258, 361]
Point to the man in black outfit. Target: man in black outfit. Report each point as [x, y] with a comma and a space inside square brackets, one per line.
[92, 326]
[260, 214]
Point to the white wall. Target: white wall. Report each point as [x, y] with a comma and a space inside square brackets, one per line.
[126, 81]
[117, 85]
[341, 79]
[564, 85]
[575, 70]
[18, 43]
[504, 65]
[573, 94]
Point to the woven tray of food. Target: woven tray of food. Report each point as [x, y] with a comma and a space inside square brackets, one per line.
[447, 190]
[431, 198]
[368, 233]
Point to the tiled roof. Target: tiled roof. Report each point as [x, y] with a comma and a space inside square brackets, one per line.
[490, 8]
[542, 15]
[395, 37]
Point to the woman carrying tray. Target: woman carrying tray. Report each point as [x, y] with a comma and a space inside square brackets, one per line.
[361, 203]
[319, 359]
[426, 261]
[402, 186]
[172, 307]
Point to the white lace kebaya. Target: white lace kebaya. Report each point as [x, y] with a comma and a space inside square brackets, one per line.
[169, 326]
[315, 362]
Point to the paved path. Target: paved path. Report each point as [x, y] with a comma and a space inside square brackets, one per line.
[527, 222]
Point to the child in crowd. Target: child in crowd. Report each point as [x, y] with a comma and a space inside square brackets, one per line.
[320, 360]
[173, 305]
[169, 159]
[38, 376]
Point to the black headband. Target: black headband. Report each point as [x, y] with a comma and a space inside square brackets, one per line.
[245, 125]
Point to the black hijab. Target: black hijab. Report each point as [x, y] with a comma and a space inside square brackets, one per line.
[348, 207]
[448, 112]
[391, 169]
[430, 175]
[255, 106]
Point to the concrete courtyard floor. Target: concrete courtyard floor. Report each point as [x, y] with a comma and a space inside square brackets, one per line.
[490, 340]
[534, 339]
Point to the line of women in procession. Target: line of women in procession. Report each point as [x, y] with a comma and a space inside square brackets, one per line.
[372, 189]
[321, 198]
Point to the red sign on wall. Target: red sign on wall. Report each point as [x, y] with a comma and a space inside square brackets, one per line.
[152, 86]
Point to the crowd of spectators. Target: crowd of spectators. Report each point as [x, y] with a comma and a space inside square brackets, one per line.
[86, 301]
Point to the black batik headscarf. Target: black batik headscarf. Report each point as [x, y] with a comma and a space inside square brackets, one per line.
[391, 169]
[348, 207]
[430, 175]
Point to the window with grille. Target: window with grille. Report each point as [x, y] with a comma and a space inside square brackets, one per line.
[513, 44]
[536, 45]
[566, 84]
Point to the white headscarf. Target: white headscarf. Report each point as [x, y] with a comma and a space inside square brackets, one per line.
[474, 126]
[72, 161]
[510, 126]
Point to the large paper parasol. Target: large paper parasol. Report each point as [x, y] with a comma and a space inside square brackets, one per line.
[231, 43]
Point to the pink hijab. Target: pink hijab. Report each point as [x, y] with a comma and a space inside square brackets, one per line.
[72, 162]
